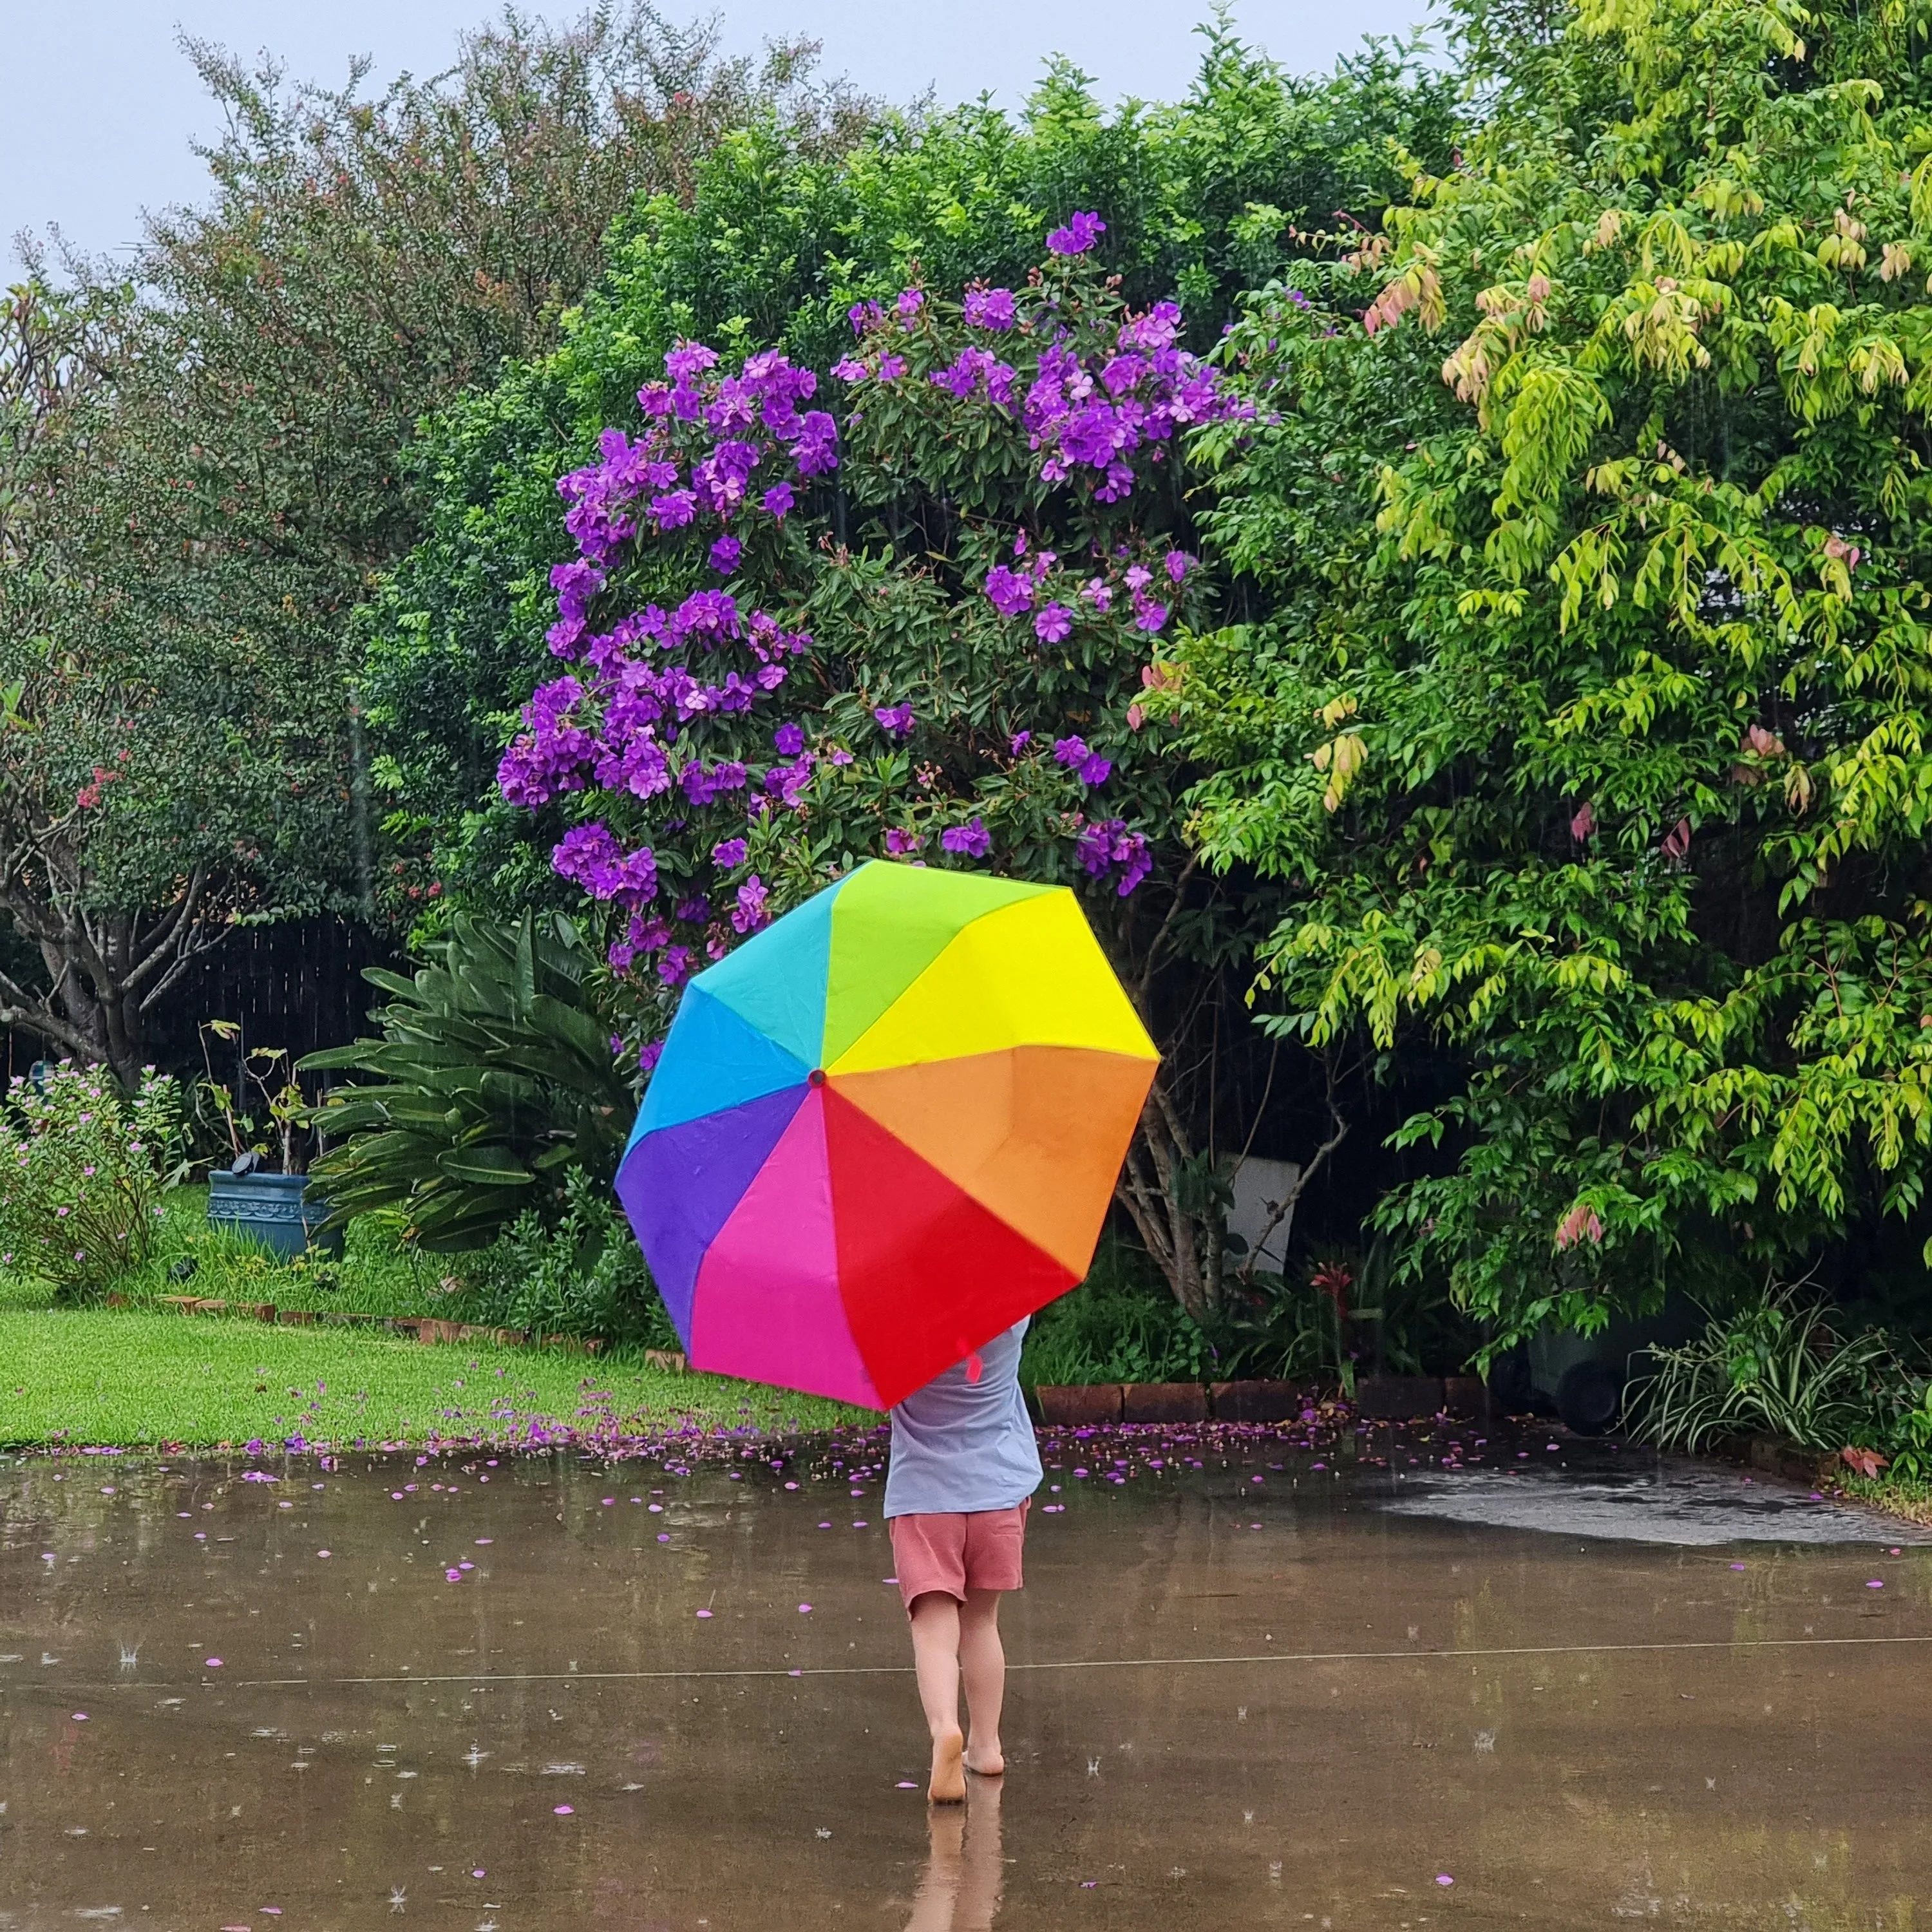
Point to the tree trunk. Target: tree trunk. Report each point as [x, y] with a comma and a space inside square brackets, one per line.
[105, 971]
[1147, 1190]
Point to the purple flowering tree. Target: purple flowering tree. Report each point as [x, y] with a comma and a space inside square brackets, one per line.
[916, 612]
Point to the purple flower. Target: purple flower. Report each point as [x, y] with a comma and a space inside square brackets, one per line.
[1019, 741]
[673, 510]
[899, 843]
[749, 914]
[850, 369]
[862, 315]
[1138, 576]
[1011, 593]
[590, 855]
[691, 358]
[786, 783]
[728, 852]
[550, 756]
[1088, 766]
[911, 301]
[1096, 593]
[894, 720]
[1178, 561]
[1156, 330]
[703, 783]
[778, 498]
[1108, 843]
[973, 840]
[971, 367]
[789, 740]
[641, 935]
[990, 309]
[1082, 232]
[711, 616]
[891, 368]
[1054, 623]
[649, 1054]
[724, 555]
[816, 451]
[1149, 616]
[674, 968]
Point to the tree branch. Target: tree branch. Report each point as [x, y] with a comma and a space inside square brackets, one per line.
[1285, 1207]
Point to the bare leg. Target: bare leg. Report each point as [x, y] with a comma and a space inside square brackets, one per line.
[982, 1661]
[935, 1651]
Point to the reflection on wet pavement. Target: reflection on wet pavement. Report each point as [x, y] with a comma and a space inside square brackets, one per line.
[1254, 1685]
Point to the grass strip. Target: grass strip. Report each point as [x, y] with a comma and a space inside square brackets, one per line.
[83, 1378]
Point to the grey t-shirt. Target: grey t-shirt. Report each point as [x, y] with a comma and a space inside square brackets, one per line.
[961, 1446]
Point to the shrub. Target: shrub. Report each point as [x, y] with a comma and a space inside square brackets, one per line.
[82, 1169]
[1119, 1325]
[581, 1273]
[498, 1084]
[1341, 1313]
[1777, 1367]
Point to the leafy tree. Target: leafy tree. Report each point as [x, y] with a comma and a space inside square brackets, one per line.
[776, 243]
[362, 260]
[1587, 721]
[790, 643]
[146, 758]
[199, 475]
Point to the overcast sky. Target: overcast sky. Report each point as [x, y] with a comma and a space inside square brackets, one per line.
[98, 105]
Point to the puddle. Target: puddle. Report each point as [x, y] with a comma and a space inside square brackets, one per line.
[466, 1694]
[1683, 1504]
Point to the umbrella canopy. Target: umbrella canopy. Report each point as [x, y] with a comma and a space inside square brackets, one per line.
[883, 1129]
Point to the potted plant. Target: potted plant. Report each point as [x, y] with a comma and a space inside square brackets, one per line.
[277, 1208]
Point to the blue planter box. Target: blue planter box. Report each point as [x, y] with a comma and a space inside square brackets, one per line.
[275, 1209]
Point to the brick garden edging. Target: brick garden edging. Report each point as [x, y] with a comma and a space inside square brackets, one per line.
[1378, 1399]
[1088, 1405]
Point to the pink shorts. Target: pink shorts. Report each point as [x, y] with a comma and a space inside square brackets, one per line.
[954, 1554]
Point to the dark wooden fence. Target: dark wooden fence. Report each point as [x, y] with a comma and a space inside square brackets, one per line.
[297, 985]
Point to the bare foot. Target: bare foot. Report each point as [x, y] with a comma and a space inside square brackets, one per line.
[987, 1762]
[949, 1781]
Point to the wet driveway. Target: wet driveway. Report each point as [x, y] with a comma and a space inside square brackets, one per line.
[1255, 1686]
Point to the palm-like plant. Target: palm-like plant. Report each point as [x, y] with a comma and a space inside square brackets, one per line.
[494, 1078]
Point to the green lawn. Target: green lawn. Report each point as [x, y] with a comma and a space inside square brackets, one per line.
[142, 1375]
[120, 1377]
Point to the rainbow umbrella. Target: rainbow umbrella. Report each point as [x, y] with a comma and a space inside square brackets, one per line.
[883, 1129]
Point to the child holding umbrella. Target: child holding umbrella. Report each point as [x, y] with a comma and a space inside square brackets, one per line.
[964, 1468]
